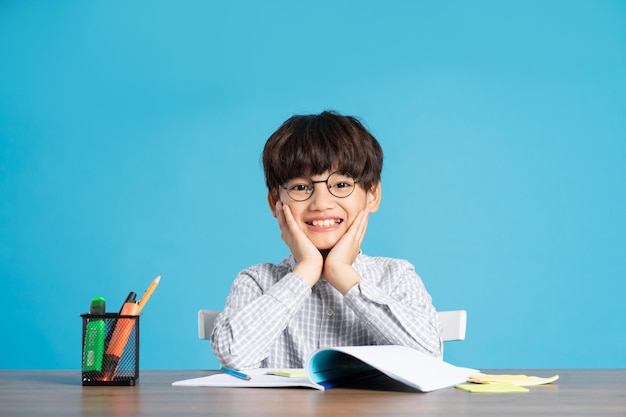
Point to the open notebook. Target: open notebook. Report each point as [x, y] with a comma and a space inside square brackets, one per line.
[355, 366]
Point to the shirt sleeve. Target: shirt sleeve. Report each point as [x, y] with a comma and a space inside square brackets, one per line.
[398, 309]
[258, 309]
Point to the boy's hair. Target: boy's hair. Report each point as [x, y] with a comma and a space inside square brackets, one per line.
[307, 145]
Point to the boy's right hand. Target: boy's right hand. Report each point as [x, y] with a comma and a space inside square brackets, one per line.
[309, 260]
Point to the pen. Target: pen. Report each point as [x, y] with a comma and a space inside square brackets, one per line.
[149, 291]
[121, 333]
[235, 373]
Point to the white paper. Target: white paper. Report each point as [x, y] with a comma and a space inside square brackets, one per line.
[258, 379]
[409, 366]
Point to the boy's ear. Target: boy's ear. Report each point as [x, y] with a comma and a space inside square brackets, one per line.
[272, 198]
[373, 198]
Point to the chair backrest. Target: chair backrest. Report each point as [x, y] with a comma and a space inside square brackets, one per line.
[453, 323]
[206, 318]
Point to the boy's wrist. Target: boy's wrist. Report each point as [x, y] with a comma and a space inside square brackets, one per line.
[309, 271]
[342, 277]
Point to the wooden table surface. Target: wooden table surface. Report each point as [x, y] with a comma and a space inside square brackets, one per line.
[578, 392]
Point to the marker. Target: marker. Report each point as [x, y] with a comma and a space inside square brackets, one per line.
[234, 373]
[149, 291]
[113, 321]
[97, 306]
[121, 333]
[95, 334]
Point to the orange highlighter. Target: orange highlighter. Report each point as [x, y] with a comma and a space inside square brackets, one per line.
[121, 332]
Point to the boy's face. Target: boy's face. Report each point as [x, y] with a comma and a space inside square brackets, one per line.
[323, 217]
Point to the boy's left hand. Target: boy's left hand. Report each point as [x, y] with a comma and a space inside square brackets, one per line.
[338, 269]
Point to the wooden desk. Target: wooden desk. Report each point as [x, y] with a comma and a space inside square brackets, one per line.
[592, 392]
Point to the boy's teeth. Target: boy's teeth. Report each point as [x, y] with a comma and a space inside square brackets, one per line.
[323, 223]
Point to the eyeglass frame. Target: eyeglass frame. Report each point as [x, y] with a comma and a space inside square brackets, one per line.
[312, 186]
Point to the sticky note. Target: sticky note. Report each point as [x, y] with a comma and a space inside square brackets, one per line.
[521, 380]
[491, 388]
[289, 373]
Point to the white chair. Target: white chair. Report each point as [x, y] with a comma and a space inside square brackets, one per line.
[206, 318]
[453, 323]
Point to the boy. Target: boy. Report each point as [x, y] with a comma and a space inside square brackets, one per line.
[323, 178]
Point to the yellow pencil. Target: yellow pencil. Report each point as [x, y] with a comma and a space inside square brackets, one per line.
[149, 291]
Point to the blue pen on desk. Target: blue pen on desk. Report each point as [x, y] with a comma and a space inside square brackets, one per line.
[235, 373]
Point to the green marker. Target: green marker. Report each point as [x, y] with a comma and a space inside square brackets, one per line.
[95, 335]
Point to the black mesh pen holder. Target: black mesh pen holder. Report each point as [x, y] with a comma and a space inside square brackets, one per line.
[110, 352]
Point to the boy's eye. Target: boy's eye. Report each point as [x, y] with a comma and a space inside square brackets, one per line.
[299, 187]
[342, 185]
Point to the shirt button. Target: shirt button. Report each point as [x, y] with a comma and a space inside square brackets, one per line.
[329, 312]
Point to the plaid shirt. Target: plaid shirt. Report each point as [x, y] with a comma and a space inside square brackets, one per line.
[272, 319]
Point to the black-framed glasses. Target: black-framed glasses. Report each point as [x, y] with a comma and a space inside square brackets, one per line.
[339, 184]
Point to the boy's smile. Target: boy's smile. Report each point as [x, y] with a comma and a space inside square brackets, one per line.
[324, 223]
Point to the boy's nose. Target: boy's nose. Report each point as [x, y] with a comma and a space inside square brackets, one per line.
[321, 198]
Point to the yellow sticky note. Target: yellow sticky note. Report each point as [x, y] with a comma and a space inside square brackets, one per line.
[289, 373]
[491, 388]
[521, 380]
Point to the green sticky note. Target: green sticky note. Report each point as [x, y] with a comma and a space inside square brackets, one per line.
[289, 373]
[491, 388]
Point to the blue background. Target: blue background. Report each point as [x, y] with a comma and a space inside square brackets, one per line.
[130, 140]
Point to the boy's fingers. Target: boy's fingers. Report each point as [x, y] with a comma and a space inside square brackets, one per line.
[363, 225]
[350, 244]
[280, 214]
[360, 226]
[288, 216]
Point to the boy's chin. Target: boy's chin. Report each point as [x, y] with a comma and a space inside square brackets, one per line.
[325, 246]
